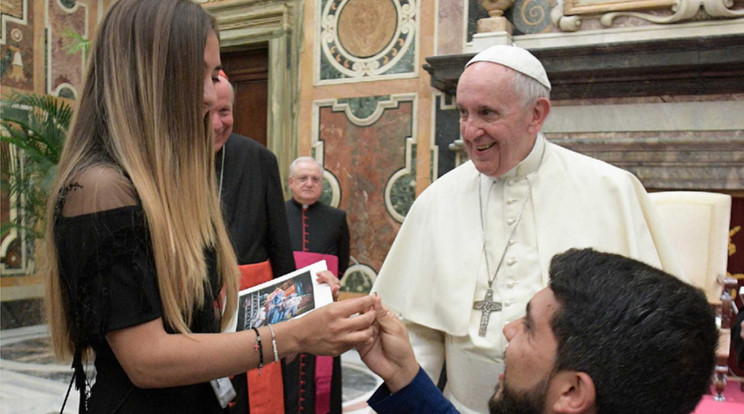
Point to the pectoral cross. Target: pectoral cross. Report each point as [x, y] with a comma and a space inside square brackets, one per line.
[486, 306]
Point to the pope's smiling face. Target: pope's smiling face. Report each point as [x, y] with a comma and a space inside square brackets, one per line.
[497, 128]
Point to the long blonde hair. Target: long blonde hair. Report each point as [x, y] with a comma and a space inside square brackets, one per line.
[141, 111]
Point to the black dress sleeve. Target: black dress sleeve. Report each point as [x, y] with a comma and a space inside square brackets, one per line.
[107, 267]
[105, 256]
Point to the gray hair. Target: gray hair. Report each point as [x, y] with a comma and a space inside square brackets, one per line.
[529, 89]
[303, 159]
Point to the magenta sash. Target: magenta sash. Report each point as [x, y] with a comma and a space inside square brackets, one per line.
[323, 364]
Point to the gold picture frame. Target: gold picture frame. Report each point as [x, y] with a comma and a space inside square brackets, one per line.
[582, 7]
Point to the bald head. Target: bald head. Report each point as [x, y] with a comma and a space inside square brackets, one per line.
[222, 112]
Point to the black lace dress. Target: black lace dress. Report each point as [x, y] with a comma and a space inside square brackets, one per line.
[109, 282]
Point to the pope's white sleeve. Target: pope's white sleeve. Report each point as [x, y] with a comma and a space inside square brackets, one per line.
[428, 346]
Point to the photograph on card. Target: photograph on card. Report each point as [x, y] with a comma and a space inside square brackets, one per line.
[279, 302]
[282, 299]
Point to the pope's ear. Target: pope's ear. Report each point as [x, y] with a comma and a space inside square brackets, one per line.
[540, 111]
[574, 393]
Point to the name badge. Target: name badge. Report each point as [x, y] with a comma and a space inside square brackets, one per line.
[224, 390]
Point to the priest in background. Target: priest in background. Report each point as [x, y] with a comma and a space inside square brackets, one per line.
[318, 232]
[253, 208]
[477, 243]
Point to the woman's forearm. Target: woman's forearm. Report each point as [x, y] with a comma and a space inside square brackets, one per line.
[153, 358]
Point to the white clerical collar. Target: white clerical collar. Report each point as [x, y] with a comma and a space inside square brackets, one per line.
[529, 164]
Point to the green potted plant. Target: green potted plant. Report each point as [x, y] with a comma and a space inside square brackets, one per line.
[32, 132]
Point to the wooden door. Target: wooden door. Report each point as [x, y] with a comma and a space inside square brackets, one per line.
[248, 71]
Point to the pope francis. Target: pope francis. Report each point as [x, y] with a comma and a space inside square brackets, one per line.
[477, 243]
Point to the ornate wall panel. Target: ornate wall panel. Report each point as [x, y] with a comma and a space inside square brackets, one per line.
[366, 148]
[570, 14]
[17, 44]
[530, 16]
[65, 69]
[361, 40]
[451, 28]
[703, 161]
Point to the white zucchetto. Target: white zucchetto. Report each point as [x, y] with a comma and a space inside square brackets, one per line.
[516, 58]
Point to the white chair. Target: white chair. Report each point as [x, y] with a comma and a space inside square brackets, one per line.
[698, 225]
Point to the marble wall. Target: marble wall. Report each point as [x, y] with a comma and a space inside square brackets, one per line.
[37, 55]
[365, 146]
[37, 44]
[365, 102]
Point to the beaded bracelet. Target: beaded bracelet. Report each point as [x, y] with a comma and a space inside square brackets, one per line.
[273, 344]
[258, 348]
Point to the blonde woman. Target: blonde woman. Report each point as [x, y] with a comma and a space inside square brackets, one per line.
[141, 263]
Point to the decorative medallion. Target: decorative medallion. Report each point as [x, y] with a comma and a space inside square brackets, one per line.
[366, 27]
[358, 278]
[529, 16]
[16, 34]
[400, 190]
[366, 39]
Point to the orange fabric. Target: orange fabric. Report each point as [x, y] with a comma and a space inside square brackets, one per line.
[265, 392]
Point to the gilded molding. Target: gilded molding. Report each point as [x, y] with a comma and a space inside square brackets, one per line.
[567, 15]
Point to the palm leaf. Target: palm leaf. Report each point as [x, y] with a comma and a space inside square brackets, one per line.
[77, 42]
[36, 125]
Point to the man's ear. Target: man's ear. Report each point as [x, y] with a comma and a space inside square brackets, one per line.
[540, 111]
[572, 392]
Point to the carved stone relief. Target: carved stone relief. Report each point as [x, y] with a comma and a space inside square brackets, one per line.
[16, 44]
[366, 40]
[567, 15]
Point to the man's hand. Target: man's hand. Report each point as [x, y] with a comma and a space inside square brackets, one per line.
[327, 277]
[389, 354]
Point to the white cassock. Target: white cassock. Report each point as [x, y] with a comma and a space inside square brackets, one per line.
[436, 268]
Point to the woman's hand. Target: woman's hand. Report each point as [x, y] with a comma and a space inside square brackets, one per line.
[330, 330]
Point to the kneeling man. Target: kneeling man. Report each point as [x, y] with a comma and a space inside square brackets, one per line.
[608, 335]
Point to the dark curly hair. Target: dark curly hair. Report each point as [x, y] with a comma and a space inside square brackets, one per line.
[646, 338]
